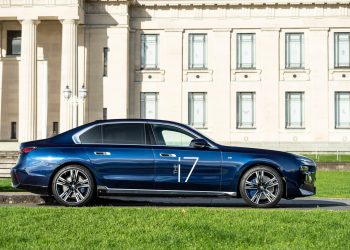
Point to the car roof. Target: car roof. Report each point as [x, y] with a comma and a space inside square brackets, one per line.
[140, 120]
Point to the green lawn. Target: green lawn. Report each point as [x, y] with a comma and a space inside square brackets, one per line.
[172, 228]
[333, 184]
[329, 184]
[329, 157]
[5, 186]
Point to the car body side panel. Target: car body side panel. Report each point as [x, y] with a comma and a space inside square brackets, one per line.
[130, 167]
[236, 162]
[37, 167]
[188, 169]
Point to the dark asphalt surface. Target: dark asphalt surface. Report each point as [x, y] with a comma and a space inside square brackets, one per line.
[300, 203]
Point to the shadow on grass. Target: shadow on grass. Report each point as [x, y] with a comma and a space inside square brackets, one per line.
[207, 203]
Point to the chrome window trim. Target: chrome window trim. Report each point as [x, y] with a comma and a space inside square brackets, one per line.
[76, 136]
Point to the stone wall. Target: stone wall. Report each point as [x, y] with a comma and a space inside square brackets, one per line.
[7, 161]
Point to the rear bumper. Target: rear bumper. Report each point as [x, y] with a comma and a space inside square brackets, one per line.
[18, 181]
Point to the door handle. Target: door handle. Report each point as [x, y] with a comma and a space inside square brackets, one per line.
[167, 155]
[102, 153]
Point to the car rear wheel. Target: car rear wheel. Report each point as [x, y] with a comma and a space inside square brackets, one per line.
[261, 187]
[73, 186]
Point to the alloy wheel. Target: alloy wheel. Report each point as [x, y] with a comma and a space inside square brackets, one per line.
[72, 186]
[262, 187]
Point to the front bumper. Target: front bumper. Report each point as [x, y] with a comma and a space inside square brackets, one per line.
[308, 187]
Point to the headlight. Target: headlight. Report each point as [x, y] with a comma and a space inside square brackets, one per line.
[306, 161]
[304, 169]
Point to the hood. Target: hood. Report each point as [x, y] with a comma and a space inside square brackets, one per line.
[254, 150]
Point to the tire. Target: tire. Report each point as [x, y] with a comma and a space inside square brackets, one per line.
[73, 186]
[261, 187]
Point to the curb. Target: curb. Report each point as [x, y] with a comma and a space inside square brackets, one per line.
[23, 198]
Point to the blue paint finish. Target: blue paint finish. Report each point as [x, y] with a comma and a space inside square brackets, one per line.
[206, 174]
[125, 167]
[219, 168]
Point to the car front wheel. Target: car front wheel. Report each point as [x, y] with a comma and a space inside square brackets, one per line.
[73, 186]
[261, 187]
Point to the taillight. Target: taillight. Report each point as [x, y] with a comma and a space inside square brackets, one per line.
[27, 150]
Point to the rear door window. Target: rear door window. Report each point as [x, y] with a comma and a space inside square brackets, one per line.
[124, 133]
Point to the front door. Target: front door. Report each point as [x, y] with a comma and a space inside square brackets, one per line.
[181, 167]
[122, 159]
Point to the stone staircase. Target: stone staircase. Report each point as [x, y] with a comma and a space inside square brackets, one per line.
[7, 160]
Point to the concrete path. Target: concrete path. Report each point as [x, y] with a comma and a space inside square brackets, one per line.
[28, 199]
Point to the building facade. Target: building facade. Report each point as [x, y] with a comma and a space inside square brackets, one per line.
[269, 73]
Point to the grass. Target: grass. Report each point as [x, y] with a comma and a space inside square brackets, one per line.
[329, 157]
[333, 184]
[172, 228]
[5, 186]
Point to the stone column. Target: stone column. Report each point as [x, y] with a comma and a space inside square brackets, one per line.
[68, 71]
[116, 100]
[27, 82]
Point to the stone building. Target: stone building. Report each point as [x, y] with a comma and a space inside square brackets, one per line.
[271, 73]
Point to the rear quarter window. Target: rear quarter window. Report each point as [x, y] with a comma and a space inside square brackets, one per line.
[93, 135]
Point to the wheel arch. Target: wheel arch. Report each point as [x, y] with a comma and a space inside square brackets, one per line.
[68, 164]
[251, 165]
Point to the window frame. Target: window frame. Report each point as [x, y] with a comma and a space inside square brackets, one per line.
[239, 110]
[76, 136]
[186, 132]
[142, 101]
[336, 50]
[239, 57]
[105, 61]
[143, 57]
[13, 131]
[205, 111]
[287, 110]
[336, 109]
[9, 51]
[287, 65]
[191, 55]
[55, 125]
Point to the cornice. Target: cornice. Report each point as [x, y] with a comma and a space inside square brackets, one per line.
[165, 3]
[237, 2]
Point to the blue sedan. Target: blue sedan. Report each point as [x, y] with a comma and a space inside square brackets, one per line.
[156, 158]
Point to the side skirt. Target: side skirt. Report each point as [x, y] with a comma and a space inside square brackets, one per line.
[105, 191]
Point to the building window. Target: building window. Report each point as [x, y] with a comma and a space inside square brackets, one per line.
[105, 61]
[55, 128]
[197, 109]
[13, 135]
[245, 109]
[197, 51]
[294, 110]
[294, 50]
[149, 105]
[342, 109]
[13, 42]
[245, 51]
[104, 113]
[341, 50]
[149, 51]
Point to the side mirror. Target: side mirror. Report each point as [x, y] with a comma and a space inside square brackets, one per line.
[199, 143]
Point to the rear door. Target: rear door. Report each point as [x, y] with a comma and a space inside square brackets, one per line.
[121, 155]
[181, 167]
